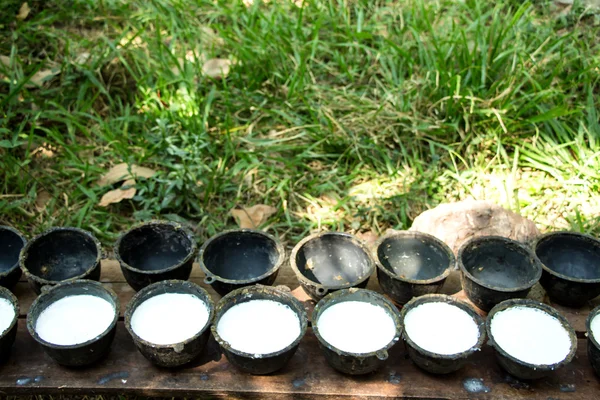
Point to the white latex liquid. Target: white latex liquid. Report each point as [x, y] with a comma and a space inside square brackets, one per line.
[356, 327]
[441, 328]
[531, 335]
[7, 314]
[595, 327]
[169, 318]
[74, 319]
[259, 326]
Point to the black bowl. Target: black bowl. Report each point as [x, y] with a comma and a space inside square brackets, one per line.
[239, 258]
[434, 362]
[412, 264]
[176, 354]
[571, 263]
[61, 255]
[494, 269]
[7, 338]
[155, 251]
[593, 347]
[11, 243]
[81, 354]
[331, 261]
[265, 363]
[344, 361]
[516, 367]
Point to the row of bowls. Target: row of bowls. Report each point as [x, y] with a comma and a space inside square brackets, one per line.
[409, 264]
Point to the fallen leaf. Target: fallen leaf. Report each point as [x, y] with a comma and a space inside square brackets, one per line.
[252, 217]
[126, 191]
[369, 237]
[42, 199]
[122, 172]
[41, 77]
[5, 61]
[83, 58]
[23, 11]
[216, 67]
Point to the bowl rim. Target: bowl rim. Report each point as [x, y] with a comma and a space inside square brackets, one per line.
[543, 307]
[210, 276]
[416, 235]
[23, 239]
[578, 235]
[521, 246]
[443, 298]
[36, 278]
[588, 325]
[79, 282]
[176, 226]
[8, 295]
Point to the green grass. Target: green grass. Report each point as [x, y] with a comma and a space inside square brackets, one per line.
[350, 115]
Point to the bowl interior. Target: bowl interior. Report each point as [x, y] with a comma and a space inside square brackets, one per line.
[11, 244]
[61, 254]
[155, 247]
[413, 258]
[333, 260]
[241, 255]
[573, 256]
[500, 263]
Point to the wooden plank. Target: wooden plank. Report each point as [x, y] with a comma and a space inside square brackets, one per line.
[126, 371]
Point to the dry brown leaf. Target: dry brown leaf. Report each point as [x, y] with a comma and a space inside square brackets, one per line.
[216, 67]
[41, 77]
[122, 172]
[42, 199]
[369, 237]
[23, 11]
[252, 217]
[126, 191]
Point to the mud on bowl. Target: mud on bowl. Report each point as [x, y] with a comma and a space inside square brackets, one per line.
[190, 320]
[81, 316]
[11, 243]
[61, 255]
[237, 258]
[155, 251]
[411, 264]
[330, 261]
[9, 311]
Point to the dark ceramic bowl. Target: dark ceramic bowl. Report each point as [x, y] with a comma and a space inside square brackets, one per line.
[176, 354]
[259, 364]
[238, 258]
[516, 367]
[593, 347]
[355, 363]
[434, 362]
[61, 255]
[7, 338]
[412, 264]
[494, 269]
[571, 263]
[330, 261]
[155, 251]
[81, 354]
[11, 244]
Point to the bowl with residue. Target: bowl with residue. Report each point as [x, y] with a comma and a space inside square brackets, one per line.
[169, 321]
[356, 328]
[9, 315]
[531, 339]
[441, 332]
[592, 325]
[75, 321]
[412, 264]
[329, 261]
[60, 255]
[571, 267]
[11, 244]
[494, 269]
[155, 251]
[242, 257]
[259, 327]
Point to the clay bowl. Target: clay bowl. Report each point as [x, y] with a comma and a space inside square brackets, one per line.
[593, 347]
[7, 338]
[11, 244]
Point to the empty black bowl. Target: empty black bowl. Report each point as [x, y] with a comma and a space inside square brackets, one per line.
[81, 354]
[60, 255]
[7, 338]
[11, 243]
[411, 264]
[238, 258]
[155, 251]
[593, 347]
[571, 263]
[494, 269]
[176, 354]
[331, 261]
